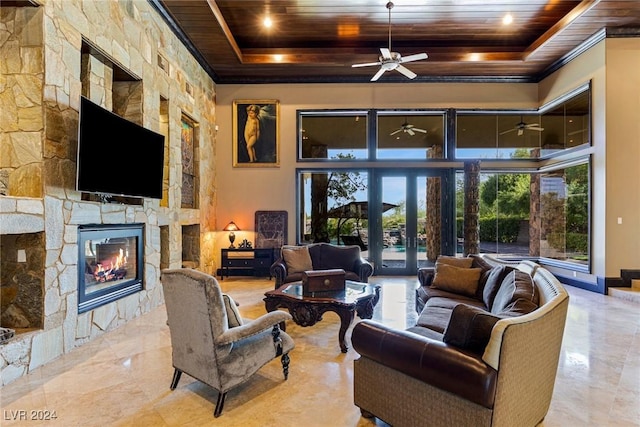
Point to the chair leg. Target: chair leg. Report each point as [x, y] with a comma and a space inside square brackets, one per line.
[277, 340]
[176, 377]
[219, 404]
[285, 365]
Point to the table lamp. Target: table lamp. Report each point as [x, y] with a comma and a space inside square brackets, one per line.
[231, 227]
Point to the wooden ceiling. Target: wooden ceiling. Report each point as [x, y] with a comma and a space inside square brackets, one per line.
[319, 40]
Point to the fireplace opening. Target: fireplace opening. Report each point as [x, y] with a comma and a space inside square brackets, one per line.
[111, 263]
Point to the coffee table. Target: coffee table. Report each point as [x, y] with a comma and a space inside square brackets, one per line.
[307, 309]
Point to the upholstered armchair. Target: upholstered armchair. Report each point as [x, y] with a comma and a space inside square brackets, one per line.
[210, 341]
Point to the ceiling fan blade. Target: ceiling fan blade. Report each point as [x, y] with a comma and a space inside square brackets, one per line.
[416, 57]
[368, 64]
[411, 132]
[508, 131]
[395, 132]
[407, 72]
[386, 53]
[378, 74]
[420, 130]
[535, 128]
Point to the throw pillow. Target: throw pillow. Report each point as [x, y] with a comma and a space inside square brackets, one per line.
[517, 295]
[233, 315]
[455, 261]
[297, 259]
[491, 287]
[469, 328]
[458, 280]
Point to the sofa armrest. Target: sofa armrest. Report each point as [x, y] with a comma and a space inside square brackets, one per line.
[425, 275]
[363, 268]
[431, 361]
[279, 271]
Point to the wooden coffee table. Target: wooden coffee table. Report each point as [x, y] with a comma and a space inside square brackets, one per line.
[307, 309]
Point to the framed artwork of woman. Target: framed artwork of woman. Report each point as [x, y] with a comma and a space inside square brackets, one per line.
[256, 133]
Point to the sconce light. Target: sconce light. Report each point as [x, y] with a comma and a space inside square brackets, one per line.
[231, 227]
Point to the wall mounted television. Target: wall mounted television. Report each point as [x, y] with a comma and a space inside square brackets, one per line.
[117, 157]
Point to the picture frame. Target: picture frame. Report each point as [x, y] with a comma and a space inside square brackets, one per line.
[271, 229]
[256, 133]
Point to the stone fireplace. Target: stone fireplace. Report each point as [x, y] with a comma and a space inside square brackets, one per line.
[108, 54]
[110, 257]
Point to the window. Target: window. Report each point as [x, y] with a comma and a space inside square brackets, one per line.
[410, 135]
[504, 213]
[557, 228]
[345, 135]
[528, 208]
[497, 136]
[333, 204]
[567, 124]
[561, 125]
[564, 214]
[333, 135]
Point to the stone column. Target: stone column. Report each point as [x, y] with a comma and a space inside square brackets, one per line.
[319, 203]
[534, 215]
[433, 220]
[471, 207]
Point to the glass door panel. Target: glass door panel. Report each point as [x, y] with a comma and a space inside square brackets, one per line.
[410, 228]
[392, 234]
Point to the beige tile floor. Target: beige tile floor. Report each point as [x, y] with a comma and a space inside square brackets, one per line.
[122, 378]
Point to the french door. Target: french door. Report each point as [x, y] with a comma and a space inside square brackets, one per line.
[407, 224]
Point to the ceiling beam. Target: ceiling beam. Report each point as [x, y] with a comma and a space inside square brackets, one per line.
[560, 26]
[225, 29]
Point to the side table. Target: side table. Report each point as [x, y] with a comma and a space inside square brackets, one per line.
[246, 262]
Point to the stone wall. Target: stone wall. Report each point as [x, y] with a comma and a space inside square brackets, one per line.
[42, 52]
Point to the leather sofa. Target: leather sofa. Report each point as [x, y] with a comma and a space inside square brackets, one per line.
[466, 363]
[323, 256]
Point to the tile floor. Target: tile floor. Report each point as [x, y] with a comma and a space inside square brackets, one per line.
[123, 377]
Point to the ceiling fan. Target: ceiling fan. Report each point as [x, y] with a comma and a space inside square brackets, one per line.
[407, 128]
[522, 126]
[389, 60]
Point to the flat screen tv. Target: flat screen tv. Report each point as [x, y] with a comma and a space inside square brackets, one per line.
[117, 157]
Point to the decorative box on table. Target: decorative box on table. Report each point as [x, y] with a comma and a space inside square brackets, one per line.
[323, 280]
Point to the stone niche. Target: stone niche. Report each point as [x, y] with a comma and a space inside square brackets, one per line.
[22, 284]
[191, 246]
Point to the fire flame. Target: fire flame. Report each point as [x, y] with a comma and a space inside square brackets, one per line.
[112, 270]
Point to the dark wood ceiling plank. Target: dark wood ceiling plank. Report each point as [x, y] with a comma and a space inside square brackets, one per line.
[324, 37]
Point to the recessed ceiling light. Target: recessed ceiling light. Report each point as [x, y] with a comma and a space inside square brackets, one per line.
[507, 19]
[267, 22]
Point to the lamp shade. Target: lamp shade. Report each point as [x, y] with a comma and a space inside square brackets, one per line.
[231, 227]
